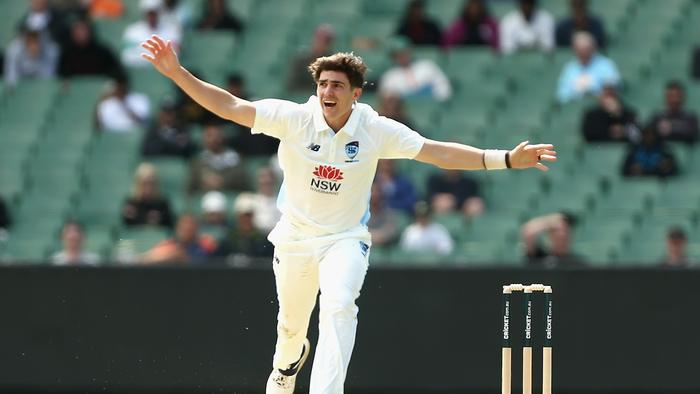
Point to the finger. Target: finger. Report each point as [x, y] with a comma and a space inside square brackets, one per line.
[548, 158]
[149, 48]
[539, 146]
[154, 44]
[546, 152]
[541, 167]
[159, 41]
[520, 146]
[170, 46]
[148, 57]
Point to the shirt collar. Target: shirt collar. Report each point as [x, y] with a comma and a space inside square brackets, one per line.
[320, 122]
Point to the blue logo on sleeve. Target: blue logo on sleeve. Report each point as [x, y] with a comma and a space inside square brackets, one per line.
[364, 248]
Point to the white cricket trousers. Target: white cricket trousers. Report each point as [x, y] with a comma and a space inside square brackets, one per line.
[336, 268]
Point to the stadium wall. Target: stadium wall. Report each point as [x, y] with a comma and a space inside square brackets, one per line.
[189, 330]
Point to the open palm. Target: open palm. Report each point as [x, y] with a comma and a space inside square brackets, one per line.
[162, 55]
[526, 156]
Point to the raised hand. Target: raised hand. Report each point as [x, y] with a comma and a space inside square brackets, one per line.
[526, 156]
[162, 56]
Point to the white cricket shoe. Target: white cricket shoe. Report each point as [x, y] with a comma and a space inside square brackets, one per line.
[283, 381]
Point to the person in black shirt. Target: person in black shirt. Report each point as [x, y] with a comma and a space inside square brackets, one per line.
[168, 136]
[84, 55]
[217, 16]
[559, 229]
[580, 20]
[419, 28]
[146, 206]
[675, 123]
[611, 120]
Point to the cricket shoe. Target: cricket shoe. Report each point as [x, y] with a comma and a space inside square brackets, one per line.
[283, 381]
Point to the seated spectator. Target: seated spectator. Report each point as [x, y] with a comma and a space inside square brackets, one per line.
[413, 78]
[5, 220]
[610, 120]
[676, 249]
[30, 55]
[451, 191]
[675, 123]
[383, 222]
[146, 206]
[396, 188]
[217, 167]
[186, 246]
[474, 27]
[245, 239]
[559, 230]
[650, 157]
[217, 16]
[46, 19]
[143, 30]
[120, 109]
[588, 73]
[84, 55]
[391, 106]
[72, 237]
[424, 235]
[580, 20]
[177, 13]
[299, 79]
[243, 141]
[266, 214]
[168, 136]
[418, 27]
[527, 28]
[214, 221]
[106, 9]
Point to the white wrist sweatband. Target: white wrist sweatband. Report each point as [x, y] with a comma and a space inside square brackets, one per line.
[495, 159]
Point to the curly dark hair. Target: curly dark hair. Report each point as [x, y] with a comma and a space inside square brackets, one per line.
[346, 62]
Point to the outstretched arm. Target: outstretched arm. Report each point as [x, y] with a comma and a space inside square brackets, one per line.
[454, 156]
[214, 99]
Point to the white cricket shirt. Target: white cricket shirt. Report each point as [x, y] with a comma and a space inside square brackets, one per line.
[328, 175]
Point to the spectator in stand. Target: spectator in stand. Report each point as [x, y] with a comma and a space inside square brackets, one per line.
[474, 27]
[299, 79]
[5, 220]
[396, 188]
[243, 141]
[193, 113]
[72, 237]
[588, 73]
[391, 106]
[146, 206]
[580, 20]
[676, 249]
[675, 123]
[186, 246]
[424, 235]
[266, 214]
[120, 109]
[217, 16]
[610, 120]
[418, 27]
[245, 239]
[140, 31]
[84, 55]
[31, 55]
[650, 157]
[177, 13]
[559, 229]
[413, 78]
[106, 9]
[47, 20]
[528, 28]
[214, 221]
[217, 167]
[168, 136]
[383, 223]
[450, 191]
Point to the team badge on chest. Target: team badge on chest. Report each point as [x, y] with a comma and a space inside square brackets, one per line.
[351, 150]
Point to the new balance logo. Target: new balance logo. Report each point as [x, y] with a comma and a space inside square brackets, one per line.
[313, 147]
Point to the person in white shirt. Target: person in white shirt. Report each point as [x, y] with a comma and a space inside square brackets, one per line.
[424, 235]
[153, 23]
[413, 78]
[72, 237]
[122, 110]
[528, 28]
[329, 148]
[266, 214]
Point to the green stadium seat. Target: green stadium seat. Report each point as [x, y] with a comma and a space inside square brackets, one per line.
[142, 238]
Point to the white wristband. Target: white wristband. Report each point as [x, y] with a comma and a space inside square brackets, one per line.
[495, 159]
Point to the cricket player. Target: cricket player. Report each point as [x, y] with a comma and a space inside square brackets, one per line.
[329, 148]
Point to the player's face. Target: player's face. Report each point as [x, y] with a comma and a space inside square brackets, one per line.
[336, 96]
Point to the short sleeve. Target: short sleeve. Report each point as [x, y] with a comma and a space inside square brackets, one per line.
[396, 140]
[275, 117]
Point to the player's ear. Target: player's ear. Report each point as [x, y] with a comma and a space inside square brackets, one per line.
[356, 93]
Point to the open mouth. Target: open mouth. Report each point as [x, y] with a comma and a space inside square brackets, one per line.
[329, 103]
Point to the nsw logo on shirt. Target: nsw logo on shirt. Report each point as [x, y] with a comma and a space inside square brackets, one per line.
[326, 179]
